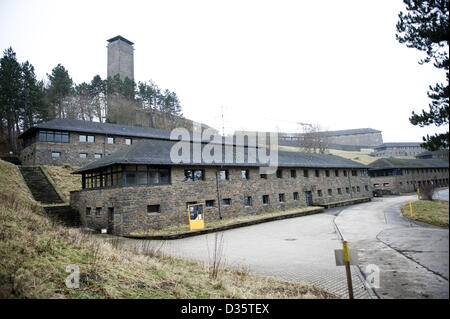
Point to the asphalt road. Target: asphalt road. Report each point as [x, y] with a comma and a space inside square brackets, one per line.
[412, 260]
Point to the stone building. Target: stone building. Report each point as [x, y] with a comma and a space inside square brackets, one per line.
[120, 58]
[395, 176]
[439, 154]
[76, 142]
[398, 149]
[349, 140]
[141, 188]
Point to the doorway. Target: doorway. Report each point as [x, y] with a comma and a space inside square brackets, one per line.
[110, 220]
[308, 196]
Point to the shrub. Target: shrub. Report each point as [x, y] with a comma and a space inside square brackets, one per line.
[427, 191]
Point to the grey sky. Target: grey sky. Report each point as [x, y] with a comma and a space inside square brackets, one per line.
[270, 64]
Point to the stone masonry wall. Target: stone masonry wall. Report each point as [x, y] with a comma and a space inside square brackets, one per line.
[409, 180]
[40, 153]
[130, 203]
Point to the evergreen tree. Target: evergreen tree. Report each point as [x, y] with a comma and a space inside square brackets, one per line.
[61, 86]
[425, 27]
[10, 95]
[33, 106]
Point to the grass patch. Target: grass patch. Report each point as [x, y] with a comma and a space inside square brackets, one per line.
[218, 223]
[435, 212]
[64, 180]
[34, 254]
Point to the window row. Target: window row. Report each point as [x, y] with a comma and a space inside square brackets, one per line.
[53, 136]
[199, 174]
[129, 175]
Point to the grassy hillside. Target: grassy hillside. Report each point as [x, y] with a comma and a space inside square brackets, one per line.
[34, 254]
[64, 180]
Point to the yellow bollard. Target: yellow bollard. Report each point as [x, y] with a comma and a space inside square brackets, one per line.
[418, 193]
[347, 269]
[410, 208]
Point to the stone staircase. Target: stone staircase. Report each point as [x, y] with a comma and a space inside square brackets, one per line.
[41, 189]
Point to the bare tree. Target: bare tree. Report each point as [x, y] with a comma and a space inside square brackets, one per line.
[314, 139]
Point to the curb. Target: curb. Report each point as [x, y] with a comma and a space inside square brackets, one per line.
[227, 227]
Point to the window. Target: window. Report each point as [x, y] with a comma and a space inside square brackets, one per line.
[110, 140]
[327, 173]
[153, 209]
[191, 175]
[265, 199]
[245, 174]
[358, 189]
[96, 155]
[53, 136]
[345, 173]
[98, 211]
[305, 173]
[226, 201]
[56, 154]
[386, 184]
[263, 176]
[376, 185]
[336, 172]
[330, 192]
[354, 173]
[247, 201]
[296, 196]
[281, 198]
[339, 190]
[347, 190]
[223, 173]
[209, 203]
[317, 173]
[279, 173]
[319, 193]
[293, 173]
[190, 203]
[87, 138]
[88, 211]
[128, 141]
[83, 155]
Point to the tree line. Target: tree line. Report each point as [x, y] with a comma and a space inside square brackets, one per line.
[26, 101]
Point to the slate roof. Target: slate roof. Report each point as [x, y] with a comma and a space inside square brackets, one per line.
[69, 125]
[157, 152]
[391, 162]
[119, 37]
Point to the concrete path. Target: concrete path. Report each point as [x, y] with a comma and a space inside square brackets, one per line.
[302, 250]
[412, 258]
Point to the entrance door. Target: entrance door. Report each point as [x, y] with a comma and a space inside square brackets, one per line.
[308, 196]
[110, 220]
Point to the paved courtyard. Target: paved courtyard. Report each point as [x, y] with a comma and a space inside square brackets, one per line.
[412, 259]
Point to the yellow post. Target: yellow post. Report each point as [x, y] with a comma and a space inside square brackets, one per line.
[410, 208]
[347, 270]
[418, 193]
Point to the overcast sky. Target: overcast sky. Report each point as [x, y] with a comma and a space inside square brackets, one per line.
[268, 64]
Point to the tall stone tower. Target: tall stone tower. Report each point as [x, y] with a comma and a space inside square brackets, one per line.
[120, 58]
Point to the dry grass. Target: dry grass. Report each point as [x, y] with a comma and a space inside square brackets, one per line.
[34, 254]
[220, 222]
[435, 212]
[64, 180]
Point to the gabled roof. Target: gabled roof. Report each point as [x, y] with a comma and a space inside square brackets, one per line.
[157, 152]
[391, 162]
